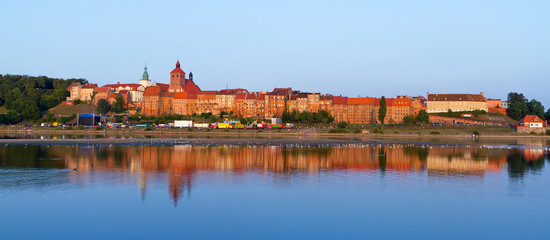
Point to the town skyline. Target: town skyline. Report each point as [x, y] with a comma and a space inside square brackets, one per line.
[427, 46]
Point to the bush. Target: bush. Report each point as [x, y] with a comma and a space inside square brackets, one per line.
[357, 131]
[547, 131]
[434, 133]
[476, 132]
[148, 129]
[377, 130]
[342, 125]
[98, 128]
[337, 130]
[79, 127]
[69, 128]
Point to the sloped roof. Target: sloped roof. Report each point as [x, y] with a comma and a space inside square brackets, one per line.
[531, 118]
[260, 97]
[180, 95]
[167, 94]
[89, 85]
[177, 69]
[240, 96]
[360, 101]
[457, 97]
[163, 86]
[152, 91]
[102, 89]
[124, 85]
[339, 100]
[207, 92]
[233, 90]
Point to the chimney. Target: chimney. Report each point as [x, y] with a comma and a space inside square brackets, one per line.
[117, 83]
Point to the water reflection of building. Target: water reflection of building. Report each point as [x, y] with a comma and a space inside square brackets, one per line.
[181, 164]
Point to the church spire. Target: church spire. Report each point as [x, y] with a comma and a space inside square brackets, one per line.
[145, 74]
[178, 64]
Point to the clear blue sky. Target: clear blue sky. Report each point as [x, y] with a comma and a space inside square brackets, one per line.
[366, 48]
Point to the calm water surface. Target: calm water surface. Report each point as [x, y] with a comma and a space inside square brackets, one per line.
[391, 191]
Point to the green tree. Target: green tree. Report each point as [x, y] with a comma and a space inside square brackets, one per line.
[548, 114]
[382, 111]
[103, 106]
[342, 125]
[119, 104]
[29, 110]
[422, 117]
[409, 119]
[536, 108]
[517, 105]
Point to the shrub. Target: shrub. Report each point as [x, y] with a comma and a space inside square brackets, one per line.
[548, 131]
[337, 130]
[69, 128]
[357, 131]
[342, 125]
[79, 127]
[99, 128]
[377, 130]
[148, 129]
[476, 132]
[434, 133]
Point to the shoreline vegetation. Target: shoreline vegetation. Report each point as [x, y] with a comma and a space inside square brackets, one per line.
[246, 137]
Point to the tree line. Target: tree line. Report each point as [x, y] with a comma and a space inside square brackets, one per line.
[26, 97]
[519, 106]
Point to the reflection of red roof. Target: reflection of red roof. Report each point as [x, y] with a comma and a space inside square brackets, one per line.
[152, 91]
[102, 89]
[339, 100]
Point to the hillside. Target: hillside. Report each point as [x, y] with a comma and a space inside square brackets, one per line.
[66, 110]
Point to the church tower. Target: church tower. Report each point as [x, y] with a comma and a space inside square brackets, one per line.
[177, 79]
[145, 78]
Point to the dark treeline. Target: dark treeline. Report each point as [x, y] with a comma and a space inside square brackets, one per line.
[26, 97]
[519, 106]
[307, 117]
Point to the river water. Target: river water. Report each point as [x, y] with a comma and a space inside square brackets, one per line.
[372, 191]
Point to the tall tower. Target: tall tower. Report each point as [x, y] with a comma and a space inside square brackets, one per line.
[145, 78]
[177, 79]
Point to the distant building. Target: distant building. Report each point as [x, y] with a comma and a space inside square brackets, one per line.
[437, 103]
[81, 92]
[532, 121]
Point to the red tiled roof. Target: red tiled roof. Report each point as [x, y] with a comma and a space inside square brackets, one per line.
[326, 97]
[457, 97]
[191, 96]
[233, 90]
[124, 85]
[112, 95]
[207, 92]
[89, 85]
[531, 118]
[339, 100]
[167, 94]
[180, 95]
[163, 86]
[190, 86]
[102, 89]
[177, 69]
[240, 96]
[152, 91]
[250, 96]
[75, 84]
[401, 102]
[360, 101]
[260, 97]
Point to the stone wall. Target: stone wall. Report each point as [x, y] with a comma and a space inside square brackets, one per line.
[521, 129]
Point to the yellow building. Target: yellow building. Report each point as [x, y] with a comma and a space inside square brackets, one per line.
[437, 103]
